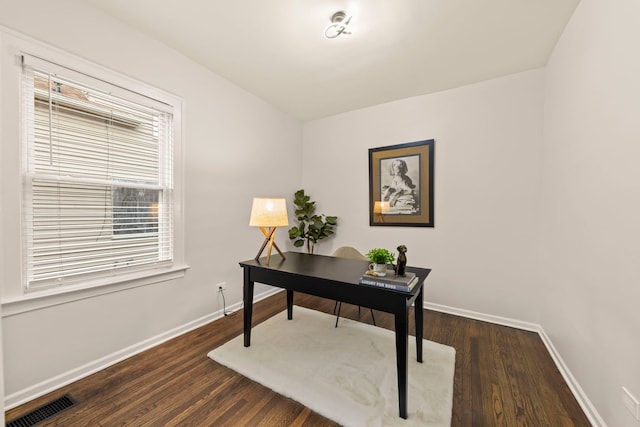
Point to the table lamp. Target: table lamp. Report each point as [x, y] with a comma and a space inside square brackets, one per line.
[381, 208]
[268, 214]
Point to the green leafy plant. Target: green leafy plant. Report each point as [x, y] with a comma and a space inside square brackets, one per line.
[311, 227]
[381, 256]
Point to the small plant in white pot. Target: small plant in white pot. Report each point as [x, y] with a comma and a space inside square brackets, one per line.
[379, 258]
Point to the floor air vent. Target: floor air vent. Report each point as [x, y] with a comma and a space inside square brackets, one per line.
[42, 413]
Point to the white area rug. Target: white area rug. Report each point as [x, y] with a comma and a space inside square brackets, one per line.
[347, 374]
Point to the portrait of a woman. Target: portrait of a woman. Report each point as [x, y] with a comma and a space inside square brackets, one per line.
[399, 189]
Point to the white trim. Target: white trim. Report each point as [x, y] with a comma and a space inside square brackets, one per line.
[28, 394]
[48, 298]
[582, 398]
[497, 320]
[590, 411]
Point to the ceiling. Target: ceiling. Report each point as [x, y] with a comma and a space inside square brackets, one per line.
[398, 48]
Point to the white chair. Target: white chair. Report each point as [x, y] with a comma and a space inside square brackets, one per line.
[350, 253]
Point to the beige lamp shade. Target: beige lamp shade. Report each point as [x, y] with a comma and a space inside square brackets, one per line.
[269, 212]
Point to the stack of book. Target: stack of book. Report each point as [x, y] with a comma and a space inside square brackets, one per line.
[390, 281]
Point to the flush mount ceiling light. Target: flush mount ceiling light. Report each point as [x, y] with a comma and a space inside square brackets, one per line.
[339, 25]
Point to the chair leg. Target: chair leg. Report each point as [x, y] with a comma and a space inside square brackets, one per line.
[372, 316]
[338, 315]
[338, 305]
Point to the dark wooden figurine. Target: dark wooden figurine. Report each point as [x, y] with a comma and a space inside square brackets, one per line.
[402, 260]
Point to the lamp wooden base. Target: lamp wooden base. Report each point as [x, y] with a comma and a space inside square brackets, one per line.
[269, 240]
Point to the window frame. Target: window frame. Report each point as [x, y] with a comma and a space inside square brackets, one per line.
[14, 296]
[71, 156]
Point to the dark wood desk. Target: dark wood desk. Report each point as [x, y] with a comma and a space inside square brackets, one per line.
[337, 279]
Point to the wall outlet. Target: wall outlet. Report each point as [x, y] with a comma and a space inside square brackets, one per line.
[631, 403]
[222, 286]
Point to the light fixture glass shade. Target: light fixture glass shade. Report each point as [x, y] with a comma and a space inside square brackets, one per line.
[339, 25]
[269, 212]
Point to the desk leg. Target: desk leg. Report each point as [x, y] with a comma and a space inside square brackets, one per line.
[289, 304]
[419, 315]
[248, 306]
[402, 349]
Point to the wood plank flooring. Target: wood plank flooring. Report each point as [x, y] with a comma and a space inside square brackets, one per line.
[503, 377]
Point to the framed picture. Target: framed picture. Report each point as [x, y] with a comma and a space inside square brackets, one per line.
[401, 185]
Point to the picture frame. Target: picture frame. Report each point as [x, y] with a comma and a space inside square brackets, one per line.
[401, 185]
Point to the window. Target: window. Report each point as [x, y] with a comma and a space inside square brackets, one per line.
[97, 177]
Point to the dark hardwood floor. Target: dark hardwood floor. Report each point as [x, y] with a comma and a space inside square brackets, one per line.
[503, 377]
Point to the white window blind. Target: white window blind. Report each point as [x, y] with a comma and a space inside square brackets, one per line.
[98, 177]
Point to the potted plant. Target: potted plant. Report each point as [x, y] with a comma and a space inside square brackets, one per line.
[379, 258]
[311, 227]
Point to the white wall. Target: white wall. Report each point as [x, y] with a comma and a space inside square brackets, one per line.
[1, 370]
[591, 200]
[2, 239]
[228, 134]
[487, 156]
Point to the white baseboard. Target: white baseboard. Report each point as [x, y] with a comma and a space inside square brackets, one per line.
[584, 402]
[586, 405]
[37, 390]
[504, 321]
[54, 383]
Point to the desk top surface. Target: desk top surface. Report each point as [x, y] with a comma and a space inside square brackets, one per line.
[324, 267]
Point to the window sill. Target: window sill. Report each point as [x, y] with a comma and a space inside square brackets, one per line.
[48, 298]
